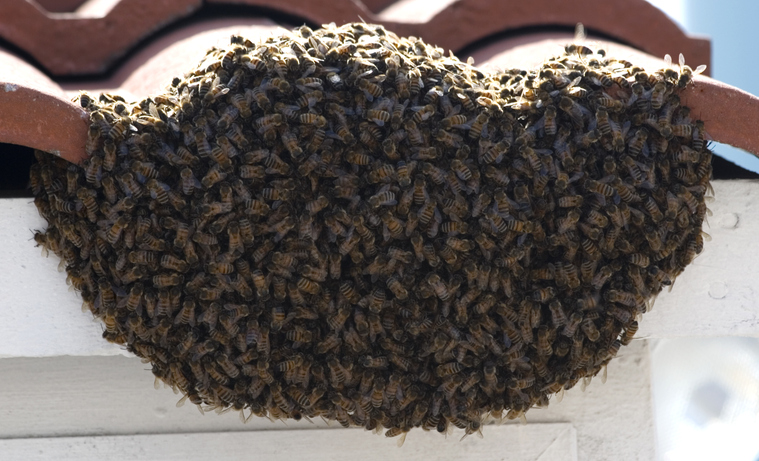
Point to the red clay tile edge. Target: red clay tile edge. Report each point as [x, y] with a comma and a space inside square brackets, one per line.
[65, 44]
[37, 113]
[636, 23]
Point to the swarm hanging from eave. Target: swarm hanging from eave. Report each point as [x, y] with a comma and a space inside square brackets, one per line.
[348, 224]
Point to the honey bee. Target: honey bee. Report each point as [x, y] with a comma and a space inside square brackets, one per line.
[379, 117]
[118, 130]
[358, 158]
[259, 96]
[376, 300]
[315, 206]
[628, 333]
[639, 259]
[461, 170]
[625, 298]
[263, 345]
[393, 224]
[599, 188]
[657, 95]
[386, 198]
[114, 233]
[449, 139]
[291, 143]
[570, 201]
[414, 134]
[167, 280]
[479, 123]
[316, 140]
[291, 364]
[370, 89]
[135, 296]
[439, 287]
[338, 374]
[602, 118]
[186, 314]
[314, 273]
[572, 324]
[454, 227]
[389, 148]
[568, 222]
[191, 255]
[590, 330]
[573, 109]
[110, 321]
[395, 286]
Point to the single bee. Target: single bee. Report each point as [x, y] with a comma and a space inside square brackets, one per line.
[258, 95]
[599, 188]
[414, 134]
[573, 109]
[628, 333]
[135, 296]
[572, 324]
[167, 280]
[453, 121]
[602, 118]
[479, 123]
[114, 233]
[379, 117]
[370, 89]
[461, 170]
[639, 259]
[658, 94]
[386, 198]
[622, 297]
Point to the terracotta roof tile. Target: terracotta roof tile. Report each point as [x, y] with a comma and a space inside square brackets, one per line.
[67, 44]
[37, 112]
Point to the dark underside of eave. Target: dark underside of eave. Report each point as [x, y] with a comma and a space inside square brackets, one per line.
[14, 174]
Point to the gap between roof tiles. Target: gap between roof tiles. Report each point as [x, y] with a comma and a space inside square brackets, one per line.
[76, 9]
[59, 6]
[153, 66]
[96, 8]
[413, 11]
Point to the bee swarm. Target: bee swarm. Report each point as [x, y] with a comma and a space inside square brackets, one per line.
[347, 224]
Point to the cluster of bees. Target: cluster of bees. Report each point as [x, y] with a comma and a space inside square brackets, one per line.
[348, 224]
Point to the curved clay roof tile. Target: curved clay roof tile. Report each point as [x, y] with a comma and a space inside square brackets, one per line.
[36, 112]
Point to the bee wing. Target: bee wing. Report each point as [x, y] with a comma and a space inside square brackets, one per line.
[153, 111]
[378, 78]
[617, 65]
[580, 35]
[626, 128]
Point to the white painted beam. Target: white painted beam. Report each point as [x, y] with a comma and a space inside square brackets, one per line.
[64, 397]
[715, 296]
[537, 442]
[41, 316]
